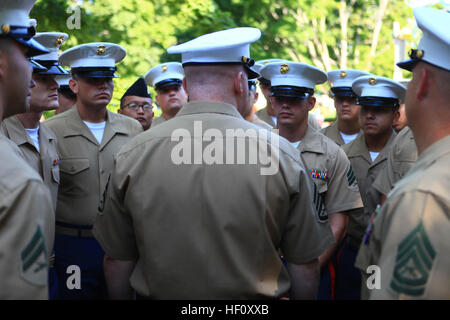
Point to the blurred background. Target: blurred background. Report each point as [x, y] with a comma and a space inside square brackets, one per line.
[369, 35]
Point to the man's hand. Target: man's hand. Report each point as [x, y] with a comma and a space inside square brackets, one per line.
[117, 276]
[304, 280]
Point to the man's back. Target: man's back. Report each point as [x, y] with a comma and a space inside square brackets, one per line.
[208, 231]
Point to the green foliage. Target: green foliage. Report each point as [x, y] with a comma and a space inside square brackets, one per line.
[309, 31]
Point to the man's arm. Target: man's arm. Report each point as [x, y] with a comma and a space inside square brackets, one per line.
[338, 223]
[304, 280]
[117, 276]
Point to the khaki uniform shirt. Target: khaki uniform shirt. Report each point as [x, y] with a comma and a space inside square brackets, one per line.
[366, 172]
[256, 120]
[410, 236]
[208, 231]
[331, 172]
[45, 162]
[85, 165]
[157, 121]
[27, 227]
[332, 132]
[402, 157]
[263, 115]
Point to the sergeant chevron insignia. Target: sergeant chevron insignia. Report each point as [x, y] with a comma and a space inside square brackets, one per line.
[351, 178]
[34, 265]
[319, 205]
[415, 256]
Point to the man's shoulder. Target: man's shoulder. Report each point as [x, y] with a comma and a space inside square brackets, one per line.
[433, 179]
[14, 171]
[59, 120]
[125, 121]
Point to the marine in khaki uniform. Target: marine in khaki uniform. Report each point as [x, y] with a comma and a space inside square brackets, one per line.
[210, 231]
[346, 127]
[26, 222]
[37, 142]
[379, 98]
[170, 96]
[249, 113]
[89, 136]
[292, 97]
[267, 114]
[409, 238]
[402, 157]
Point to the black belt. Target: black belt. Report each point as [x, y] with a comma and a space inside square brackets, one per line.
[74, 230]
[352, 241]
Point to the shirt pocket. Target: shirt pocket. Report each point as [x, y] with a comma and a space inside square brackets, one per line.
[73, 166]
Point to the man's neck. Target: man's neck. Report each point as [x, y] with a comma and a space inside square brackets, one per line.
[348, 126]
[293, 134]
[30, 120]
[426, 138]
[166, 116]
[376, 143]
[93, 114]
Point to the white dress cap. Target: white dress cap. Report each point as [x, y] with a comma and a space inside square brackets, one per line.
[261, 63]
[381, 87]
[15, 12]
[16, 24]
[165, 74]
[434, 46]
[344, 77]
[91, 55]
[51, 41]
[222, 46]
[293, 74]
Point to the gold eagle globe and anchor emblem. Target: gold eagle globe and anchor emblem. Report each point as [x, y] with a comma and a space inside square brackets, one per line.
[372, 81]
[60, 40]
[284, 68]
[101, 50]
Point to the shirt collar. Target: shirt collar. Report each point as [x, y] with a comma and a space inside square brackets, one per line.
[209, 107]
[311, 142]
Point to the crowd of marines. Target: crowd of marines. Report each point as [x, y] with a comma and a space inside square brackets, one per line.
[100, 191]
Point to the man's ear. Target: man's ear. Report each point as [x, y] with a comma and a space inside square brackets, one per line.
[424, 83]
[311, 103]
[238, 83]
[184, 85]
[3, 63]
[119, 111]
[73, 85]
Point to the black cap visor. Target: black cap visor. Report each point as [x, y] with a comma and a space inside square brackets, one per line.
[36, 66]
[167, 83]
[52, 68]
[34, 47]
[345, 92]
[379, 102]
[291, 92]
[95, 72]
